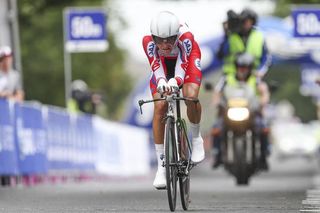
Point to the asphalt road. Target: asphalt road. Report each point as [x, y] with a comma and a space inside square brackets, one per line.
[282, 189]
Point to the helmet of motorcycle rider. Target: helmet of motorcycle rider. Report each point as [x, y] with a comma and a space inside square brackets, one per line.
[164, 28]
[249, 14]
[244, 63]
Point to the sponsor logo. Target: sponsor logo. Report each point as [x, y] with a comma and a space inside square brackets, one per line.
[197, 63]
[184, 66]
[187, 46]
[150, 49]
[198, 79]
[155, 65]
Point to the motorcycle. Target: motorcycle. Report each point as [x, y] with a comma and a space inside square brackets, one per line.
[241, 141]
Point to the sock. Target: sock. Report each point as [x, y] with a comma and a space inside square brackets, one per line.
[159, 152]
[195, 130]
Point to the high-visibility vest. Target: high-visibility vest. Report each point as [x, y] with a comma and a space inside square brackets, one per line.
[254, 46]
[251, 82]
[72, 106]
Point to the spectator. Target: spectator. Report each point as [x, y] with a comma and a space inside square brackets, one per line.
[10, 88]
[10, 85]
[82, 99]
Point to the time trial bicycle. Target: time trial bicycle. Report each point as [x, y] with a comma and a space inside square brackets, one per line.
[178, 149]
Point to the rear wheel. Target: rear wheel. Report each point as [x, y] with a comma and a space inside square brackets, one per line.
[171, 160]
[184, 179]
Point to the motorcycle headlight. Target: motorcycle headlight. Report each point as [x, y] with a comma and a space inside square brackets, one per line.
[238, 113]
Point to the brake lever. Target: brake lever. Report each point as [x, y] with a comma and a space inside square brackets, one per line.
[141, 102]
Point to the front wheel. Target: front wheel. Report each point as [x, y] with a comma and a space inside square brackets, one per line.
[242, 175]
[171, 161]
[185, 154]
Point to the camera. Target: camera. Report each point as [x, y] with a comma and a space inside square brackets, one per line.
[233, 22]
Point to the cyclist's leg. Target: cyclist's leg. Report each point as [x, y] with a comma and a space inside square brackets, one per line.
[191, 90]
[191, 87]
[158, 134]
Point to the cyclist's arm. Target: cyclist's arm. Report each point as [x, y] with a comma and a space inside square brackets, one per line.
[180, 70]
[186, 45]
[149, 48]
[189, 55]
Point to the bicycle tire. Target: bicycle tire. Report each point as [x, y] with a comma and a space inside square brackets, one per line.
[171, 158]
[185, 154]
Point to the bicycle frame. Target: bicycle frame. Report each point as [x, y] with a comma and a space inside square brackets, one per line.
[173, 101]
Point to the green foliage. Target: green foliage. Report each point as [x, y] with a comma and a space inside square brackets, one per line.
[41, 34]
[288, 75]
[288, 78]
[283, 7]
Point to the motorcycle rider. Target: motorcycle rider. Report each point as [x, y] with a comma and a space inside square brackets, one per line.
[244, 64]
[242, 35]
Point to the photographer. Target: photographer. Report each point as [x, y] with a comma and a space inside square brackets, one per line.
[82, 99]
[241, 35]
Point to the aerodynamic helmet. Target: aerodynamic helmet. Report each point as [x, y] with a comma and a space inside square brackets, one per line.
[164, 27]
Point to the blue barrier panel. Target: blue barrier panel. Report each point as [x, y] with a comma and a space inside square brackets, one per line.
[85, 144]
[8, 156]
[59, 137]
[31, 140]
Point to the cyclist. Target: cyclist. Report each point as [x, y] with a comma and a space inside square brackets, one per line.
[174, 58]
[244, 64]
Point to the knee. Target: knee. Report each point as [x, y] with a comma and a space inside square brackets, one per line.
[190, 91]
[159, 110]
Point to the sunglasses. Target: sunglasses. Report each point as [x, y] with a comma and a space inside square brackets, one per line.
[170, 40]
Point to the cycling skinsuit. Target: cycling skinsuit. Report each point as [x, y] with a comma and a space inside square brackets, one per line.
[183, 62]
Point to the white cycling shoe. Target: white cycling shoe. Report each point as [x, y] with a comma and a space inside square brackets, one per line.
[197, 150]
[160, 179]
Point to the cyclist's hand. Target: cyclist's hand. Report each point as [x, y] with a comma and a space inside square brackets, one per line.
[162, 86]
[173, 85]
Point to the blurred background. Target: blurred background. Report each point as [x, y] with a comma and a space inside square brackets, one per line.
[79, 98]
[38, 39]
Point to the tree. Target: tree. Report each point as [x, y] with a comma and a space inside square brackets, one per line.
[283, 7]
[41, 29]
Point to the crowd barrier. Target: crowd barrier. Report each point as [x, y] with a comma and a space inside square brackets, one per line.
[38, 139]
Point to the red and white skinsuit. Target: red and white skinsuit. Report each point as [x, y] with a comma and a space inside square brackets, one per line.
[183, 63]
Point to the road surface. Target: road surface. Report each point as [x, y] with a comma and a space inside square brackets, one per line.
[282, 189]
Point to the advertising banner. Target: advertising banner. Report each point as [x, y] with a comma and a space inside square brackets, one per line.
[59, 137]
[122, 150]
[8, 152]
[84, 144]
[31, 139]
